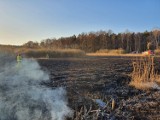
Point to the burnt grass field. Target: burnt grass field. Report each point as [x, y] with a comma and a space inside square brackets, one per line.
[102, 78]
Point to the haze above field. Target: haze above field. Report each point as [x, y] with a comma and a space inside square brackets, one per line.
[35, 20]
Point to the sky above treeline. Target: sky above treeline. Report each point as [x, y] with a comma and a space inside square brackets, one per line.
[36, 20]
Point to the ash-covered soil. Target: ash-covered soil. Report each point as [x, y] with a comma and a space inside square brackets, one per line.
[105, 79]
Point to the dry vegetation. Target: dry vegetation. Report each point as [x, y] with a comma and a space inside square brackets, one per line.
[157, 52]
[41, 52]
[144, 75]
[113, 51]
[9, 49]
[107, 52]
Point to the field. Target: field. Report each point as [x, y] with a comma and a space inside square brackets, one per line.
[94, 84]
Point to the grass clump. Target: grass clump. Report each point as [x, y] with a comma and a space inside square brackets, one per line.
[144, 76]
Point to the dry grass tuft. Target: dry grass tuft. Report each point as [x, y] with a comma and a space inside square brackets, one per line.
[144, 75]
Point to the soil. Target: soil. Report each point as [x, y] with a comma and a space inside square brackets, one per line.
[106, 79]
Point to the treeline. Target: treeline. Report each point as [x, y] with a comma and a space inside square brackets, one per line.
[94, 41]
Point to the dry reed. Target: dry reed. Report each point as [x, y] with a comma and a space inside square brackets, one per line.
[112, 51]
[157, 52]
[144, 75]
[44, 53]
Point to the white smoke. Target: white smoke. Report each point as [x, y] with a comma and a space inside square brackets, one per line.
[23, 97]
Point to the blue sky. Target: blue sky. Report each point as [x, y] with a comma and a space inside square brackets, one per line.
[35, 20]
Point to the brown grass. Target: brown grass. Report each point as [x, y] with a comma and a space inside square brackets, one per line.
[7, 49]
[112, 51]
[121, 55]
[157, 52]
[43, 53]
[144, 75]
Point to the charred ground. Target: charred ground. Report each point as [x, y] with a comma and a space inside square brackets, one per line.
[105, 78]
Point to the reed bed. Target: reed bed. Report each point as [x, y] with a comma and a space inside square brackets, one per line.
[112, 51]
[43, 53]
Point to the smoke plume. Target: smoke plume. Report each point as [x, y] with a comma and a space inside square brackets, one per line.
[22, 97]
